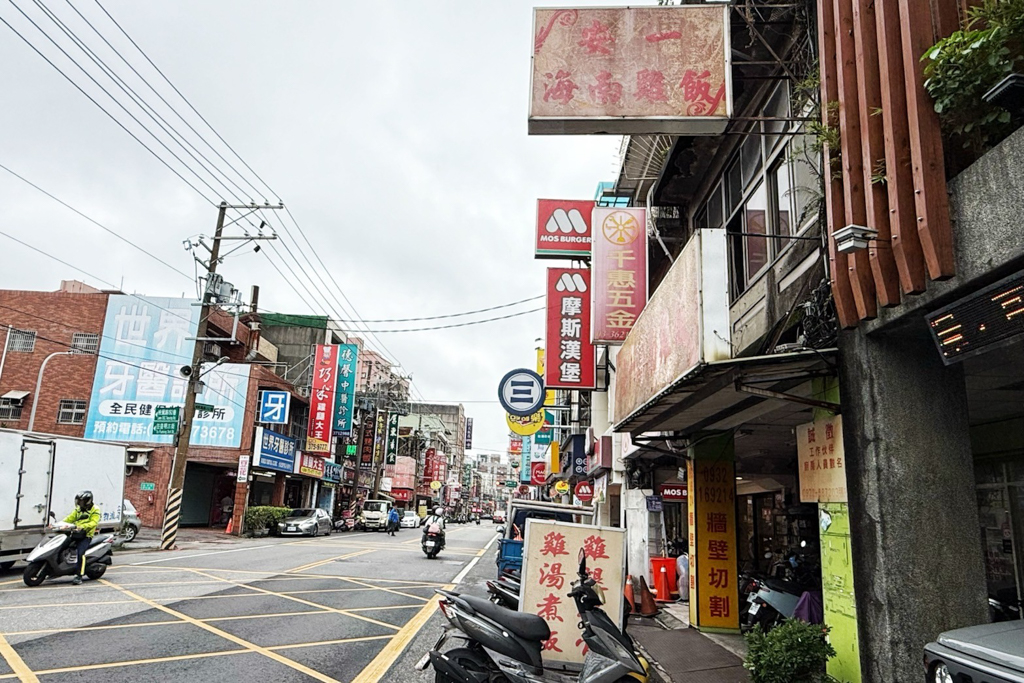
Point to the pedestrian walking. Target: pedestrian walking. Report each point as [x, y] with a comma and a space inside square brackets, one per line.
[393, 520]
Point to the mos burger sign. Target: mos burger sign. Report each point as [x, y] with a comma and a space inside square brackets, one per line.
[584, 491]
[672, 492]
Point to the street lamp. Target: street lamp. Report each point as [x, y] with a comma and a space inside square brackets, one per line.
[854, 238]
[39, 384]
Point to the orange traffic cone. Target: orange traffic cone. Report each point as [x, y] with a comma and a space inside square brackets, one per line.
[663, 591]
[648, 608]
[231, 526]
[627, 592]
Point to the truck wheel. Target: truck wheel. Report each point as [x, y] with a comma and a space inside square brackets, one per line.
[5, 566]
[34, 574]
[95, 571]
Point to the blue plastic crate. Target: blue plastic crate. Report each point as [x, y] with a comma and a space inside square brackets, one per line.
[510, 554]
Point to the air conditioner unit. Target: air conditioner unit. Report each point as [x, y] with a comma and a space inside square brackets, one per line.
[302, 391]
[137, 459]
[212, 349]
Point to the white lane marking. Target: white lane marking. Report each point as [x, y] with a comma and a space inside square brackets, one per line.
[188, 557]
[472, 563]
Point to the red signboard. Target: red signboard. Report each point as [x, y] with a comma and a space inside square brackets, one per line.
[321, 399]
[570, 353]
[619, 290]
[312, 466]
[584, 491]
[538, 472]
[366, 448]
[515, 446]
[401, 495]
[673, 492]
[563, 228]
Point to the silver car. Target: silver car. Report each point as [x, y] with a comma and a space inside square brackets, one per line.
[305, 522]
[130, 522]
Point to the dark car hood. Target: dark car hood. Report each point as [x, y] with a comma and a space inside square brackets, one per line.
[1000, 643]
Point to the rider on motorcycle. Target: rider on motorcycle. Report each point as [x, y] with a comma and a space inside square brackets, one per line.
[436, 518]
[86, 518]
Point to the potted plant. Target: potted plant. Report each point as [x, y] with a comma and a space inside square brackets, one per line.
[795, 652]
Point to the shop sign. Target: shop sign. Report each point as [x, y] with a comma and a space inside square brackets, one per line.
[538, 473]
[145, 341]
[405, 472]
[274, 451]
[515, 445]
[712, 524]
[822, 461]
[469, 433]
[366, 448]
[584, 491]
[311, 466]
[435, 485]
[672, 493]
[243, 469]
[563, 228]
[550, 556]
[619, 291]
[321, 398]
[391, 452]
[521, 392]
[151, 486]
[562, 487]
[345, 389]
[274, 405]
[385, 484]
[380, 437]
[332, 471]
[570, 353]
[527, 425]
[401, 495]
[549, 396]
[631, 70]
[653, 503]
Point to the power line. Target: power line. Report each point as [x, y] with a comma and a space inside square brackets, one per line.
[97, 223]
[435, 327]
[449, 315]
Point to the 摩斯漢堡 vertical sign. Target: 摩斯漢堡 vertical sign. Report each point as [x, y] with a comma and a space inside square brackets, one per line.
[550, 560]
[321, 398]
[345, 389]
[619, 282]
[570, 353]
[563, 228]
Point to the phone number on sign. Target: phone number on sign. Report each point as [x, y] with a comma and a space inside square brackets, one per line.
[213, 433]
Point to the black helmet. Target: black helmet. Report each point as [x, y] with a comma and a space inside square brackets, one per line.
[84, 499]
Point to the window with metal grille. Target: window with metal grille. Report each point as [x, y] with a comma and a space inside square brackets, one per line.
[71, 412]
[85, 342]
[10, 409]
[22, 341]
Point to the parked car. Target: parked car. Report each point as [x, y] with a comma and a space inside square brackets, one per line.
[305, 522]
[990, 652]
[410, 520]
[130, 522]
[498, 518]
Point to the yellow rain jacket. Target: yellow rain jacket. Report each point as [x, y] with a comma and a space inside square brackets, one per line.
[86, 521]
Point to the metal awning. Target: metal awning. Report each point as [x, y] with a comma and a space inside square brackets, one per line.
[726, 394]
[16, 395]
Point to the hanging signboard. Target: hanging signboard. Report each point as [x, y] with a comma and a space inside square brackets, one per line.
[380, 437]
[538, 472]
[528, 425]
[619, 283]
[469, 433]
[391, 451]
[321, 398]
[570, 353]
[243, 469]
[550, 559]
[584, 491]
[563, 228]
[820, 457]
[311, 466]
[274, 451]
[631, 70]
[712, 522]
[273, 407]
[521, 392]
[345, 390]
[366, 447]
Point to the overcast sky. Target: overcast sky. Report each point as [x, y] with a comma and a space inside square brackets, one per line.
[394, 132]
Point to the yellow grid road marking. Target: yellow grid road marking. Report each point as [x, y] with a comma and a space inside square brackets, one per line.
[311, 604]
[376, 669]
[339, 641]
[131, 662]
[284, 575]
[281, 659]
[97, 588]
[388, 590]
[17, 664]
[320, 563]
[78, 629]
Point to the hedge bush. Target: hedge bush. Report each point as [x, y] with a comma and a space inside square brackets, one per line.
[795, 652]
[264, 517]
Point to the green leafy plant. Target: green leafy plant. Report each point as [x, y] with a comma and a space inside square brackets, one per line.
[795, 652]
[959, 69]
[264, 516]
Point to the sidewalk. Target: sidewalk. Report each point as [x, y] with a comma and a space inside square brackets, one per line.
[680, 654]
[188, 539]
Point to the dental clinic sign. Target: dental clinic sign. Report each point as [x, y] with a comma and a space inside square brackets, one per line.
[145, 343]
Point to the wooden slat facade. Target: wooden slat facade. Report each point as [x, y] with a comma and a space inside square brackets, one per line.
[870, 64]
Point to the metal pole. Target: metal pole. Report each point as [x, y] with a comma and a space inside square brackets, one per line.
[172, 508]
[7, 341]
[39, 384]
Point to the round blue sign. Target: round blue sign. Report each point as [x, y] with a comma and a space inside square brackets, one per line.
[521, 392]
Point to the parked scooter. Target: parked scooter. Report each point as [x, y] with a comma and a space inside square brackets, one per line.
[505, 591]
[771, 600]
[55, 556]
[506, 645]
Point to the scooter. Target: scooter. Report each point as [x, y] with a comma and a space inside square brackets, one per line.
[55, 557]
[506, 645]
[504, 591]
[433, 541]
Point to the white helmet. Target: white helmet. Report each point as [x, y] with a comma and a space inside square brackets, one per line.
[438, 511]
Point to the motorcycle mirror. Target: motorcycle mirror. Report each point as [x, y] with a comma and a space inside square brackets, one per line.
[583, 563]
[768, 555]
[501, 530]
[53, 516]
[803, 544]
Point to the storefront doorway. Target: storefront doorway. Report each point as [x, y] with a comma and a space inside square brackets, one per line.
[208, 495]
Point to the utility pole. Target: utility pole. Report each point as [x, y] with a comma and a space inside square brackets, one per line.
[172, 508]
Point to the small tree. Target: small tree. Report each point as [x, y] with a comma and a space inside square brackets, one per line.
[795, 652]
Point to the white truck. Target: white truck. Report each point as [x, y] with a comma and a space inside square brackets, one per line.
[41, 473]
[375, 515]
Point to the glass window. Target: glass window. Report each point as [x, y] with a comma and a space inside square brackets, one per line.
[22, 341]
[737, 268]
[734, 188]
[777, 108]
[10, 409]
[756, 248]
[750, 158]
[701, 219]
[807, 190]
[85, 342]
[71, 412]
[715, 208]
[783, 201]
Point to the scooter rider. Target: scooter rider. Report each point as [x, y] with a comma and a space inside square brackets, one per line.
[86, 518]
[436, 518]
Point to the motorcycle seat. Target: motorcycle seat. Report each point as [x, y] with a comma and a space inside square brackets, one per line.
[784, 586]
[99, 538]
[528, 626]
